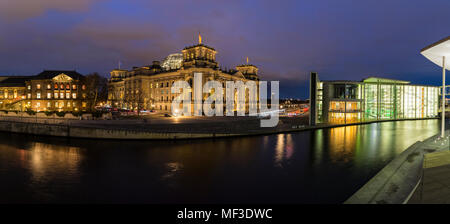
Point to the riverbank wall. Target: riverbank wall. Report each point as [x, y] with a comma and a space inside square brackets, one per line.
[397, 181]
[157, 132]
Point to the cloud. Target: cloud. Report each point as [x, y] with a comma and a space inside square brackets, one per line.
[14, 10]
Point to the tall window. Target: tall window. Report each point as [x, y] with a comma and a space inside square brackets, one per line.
[38, 86]
[49, 95]
[74, 95]
[38, 95]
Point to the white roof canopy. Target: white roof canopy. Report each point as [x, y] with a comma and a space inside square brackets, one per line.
[436, 51]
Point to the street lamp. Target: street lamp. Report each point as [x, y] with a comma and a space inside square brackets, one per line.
[439, 53]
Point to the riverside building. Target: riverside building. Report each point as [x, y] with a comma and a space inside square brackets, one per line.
[149, 87]
[48, 91]
[341, 102]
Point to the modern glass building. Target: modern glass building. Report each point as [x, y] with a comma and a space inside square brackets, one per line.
[342, 102]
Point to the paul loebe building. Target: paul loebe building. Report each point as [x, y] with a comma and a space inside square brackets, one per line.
[48, 91]
[342, 102]
[149, 87]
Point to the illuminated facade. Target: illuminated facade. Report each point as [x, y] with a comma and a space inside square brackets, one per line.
[149, 87]
[172, 62]
[342, 102]
[47, 91]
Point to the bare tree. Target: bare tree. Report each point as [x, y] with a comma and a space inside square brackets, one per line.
[97, 88]
[139, 100]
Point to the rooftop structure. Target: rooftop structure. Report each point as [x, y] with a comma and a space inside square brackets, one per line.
[172, 62]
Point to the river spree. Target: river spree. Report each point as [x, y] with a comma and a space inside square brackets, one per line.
[322, 166]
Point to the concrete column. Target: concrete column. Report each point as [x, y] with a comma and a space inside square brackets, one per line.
[443, 98]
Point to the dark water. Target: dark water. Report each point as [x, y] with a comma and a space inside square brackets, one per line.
[323, 166]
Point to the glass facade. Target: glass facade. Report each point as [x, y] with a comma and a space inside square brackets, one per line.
[319, 101]
[375, 99]
[384, 101]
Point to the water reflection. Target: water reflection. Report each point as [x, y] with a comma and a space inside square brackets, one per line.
[284, 149]
[343, 142]
[307, 167]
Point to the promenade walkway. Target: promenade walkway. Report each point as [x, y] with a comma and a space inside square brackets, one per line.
[434, 187]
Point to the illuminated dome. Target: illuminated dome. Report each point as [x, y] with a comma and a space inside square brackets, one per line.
[173, 61]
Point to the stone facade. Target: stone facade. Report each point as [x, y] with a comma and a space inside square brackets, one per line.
[149, 87]
[47, 91]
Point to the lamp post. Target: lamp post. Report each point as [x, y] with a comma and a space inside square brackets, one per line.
[443, 98]
[439, 53]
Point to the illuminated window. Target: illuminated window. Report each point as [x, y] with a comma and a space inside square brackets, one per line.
[29, 87]
[38, 105]
[38, 95]
[49, 104]
[83, 104]
[74, 95]
[67, 86]
[61, 95]
[67, 95]
[56, 95]
[61, 86]
[56, 104]
[49, 86]
[68, 104]
[61, 104]
[38, 86]
[49, 95]
[74, 86]
[83, 87]
[28, 95]
[56, 86]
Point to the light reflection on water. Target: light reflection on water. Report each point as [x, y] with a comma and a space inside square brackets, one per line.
[322, 166]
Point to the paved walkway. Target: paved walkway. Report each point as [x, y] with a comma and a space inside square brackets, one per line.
[434, 187]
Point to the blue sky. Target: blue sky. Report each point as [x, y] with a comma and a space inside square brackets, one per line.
[286, 39]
